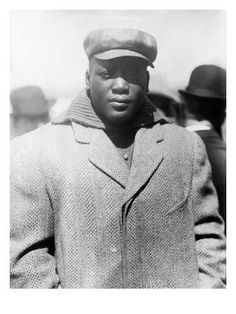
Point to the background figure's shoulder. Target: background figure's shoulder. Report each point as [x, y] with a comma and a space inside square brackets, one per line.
[212, 139]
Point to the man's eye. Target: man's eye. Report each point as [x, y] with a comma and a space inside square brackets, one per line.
[105, 75]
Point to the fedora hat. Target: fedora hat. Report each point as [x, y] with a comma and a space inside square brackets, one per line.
[29, 101]
[207, 81]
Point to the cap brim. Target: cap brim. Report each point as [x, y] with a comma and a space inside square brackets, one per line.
[200, 95]
[118, 53]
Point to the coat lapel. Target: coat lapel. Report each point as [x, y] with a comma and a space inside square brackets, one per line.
[103, 154]
[147, 157]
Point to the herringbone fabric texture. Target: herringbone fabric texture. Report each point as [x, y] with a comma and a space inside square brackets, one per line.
[81, 219]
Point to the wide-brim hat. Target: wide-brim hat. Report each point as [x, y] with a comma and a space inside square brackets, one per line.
[29, 101]
[207, 81]
[110, 43]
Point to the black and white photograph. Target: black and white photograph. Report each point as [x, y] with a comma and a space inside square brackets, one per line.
[118, 173]
[118, 149]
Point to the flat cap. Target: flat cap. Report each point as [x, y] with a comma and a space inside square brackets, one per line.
[110, 43]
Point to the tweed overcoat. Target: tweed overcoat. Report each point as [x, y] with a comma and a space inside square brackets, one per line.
[81, 219]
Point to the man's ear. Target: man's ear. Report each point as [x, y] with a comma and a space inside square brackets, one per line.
[147, 83]
[87, 79]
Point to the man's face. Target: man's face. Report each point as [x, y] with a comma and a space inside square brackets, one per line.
[116, 87]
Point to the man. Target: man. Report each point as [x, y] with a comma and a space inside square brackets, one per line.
[111, 195]
[30, 109]
[205, 99]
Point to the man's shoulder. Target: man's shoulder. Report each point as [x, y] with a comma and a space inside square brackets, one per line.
[44, 133]
[178, 140]
[42, 139]
[175, 132]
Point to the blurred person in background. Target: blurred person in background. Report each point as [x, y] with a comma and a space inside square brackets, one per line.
[205, 100]
[29, 110]
[169, 106]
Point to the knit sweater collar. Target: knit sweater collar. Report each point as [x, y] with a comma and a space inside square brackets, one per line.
[82, 112]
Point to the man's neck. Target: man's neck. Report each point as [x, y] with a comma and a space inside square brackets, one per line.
[121, 138]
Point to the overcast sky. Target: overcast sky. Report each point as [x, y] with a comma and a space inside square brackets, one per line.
[47, 46]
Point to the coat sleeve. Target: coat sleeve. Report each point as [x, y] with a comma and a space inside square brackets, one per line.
[32, 263]
[208, 225]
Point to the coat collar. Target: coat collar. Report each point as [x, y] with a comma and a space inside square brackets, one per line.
[81, 111]
[147, 154]
[84, 120]
[84, 134]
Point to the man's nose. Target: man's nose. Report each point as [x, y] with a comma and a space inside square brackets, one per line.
[120, 86]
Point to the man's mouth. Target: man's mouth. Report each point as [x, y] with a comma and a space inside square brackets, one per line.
[120, 104]
[121, 100]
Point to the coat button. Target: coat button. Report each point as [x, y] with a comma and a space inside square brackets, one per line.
[126, 156]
